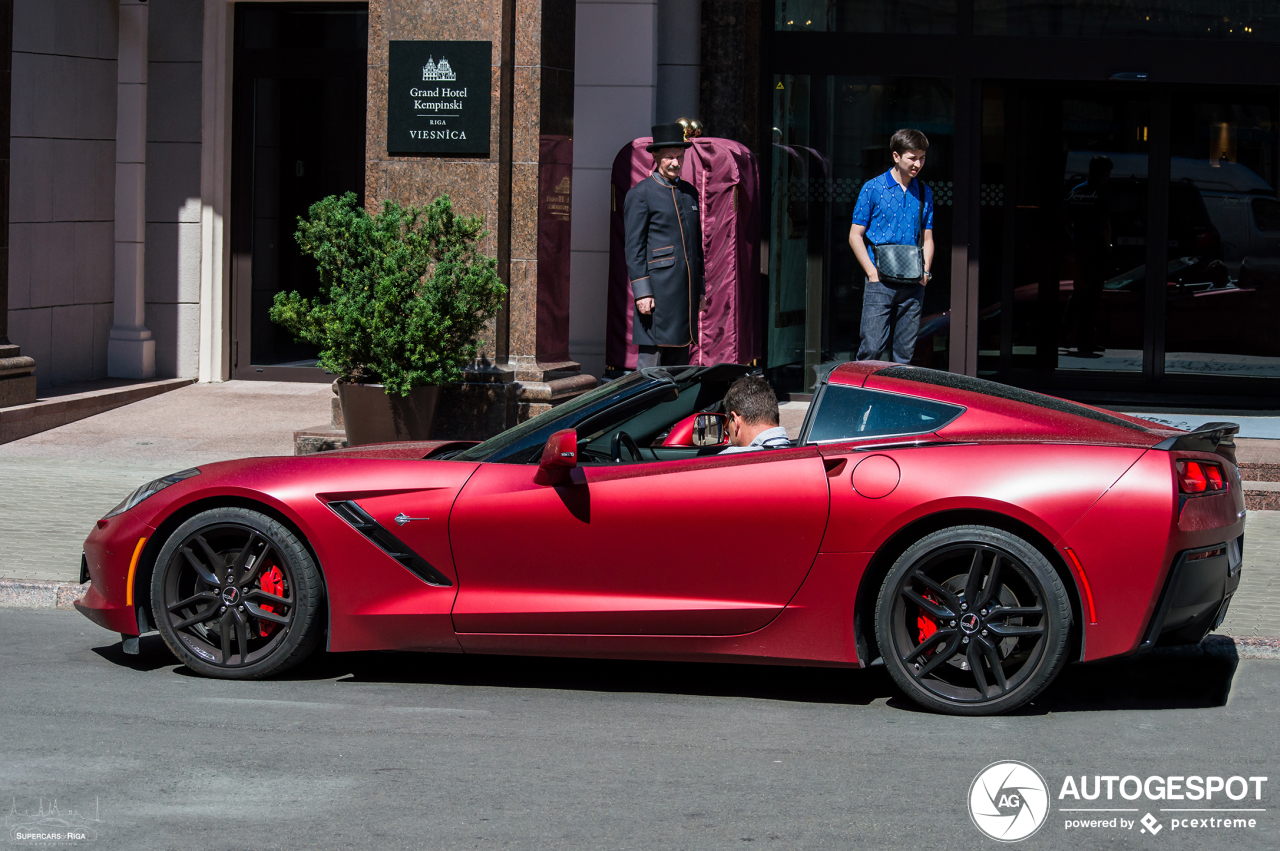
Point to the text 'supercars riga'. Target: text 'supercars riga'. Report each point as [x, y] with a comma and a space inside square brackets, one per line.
[972, 537]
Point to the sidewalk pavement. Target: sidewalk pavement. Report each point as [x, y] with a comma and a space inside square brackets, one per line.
[56, 484]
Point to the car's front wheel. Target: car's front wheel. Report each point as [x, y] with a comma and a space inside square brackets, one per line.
[237, 595]
[973, 620]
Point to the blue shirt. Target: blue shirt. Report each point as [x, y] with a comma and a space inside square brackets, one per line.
[890, 215]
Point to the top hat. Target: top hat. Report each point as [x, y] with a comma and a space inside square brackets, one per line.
[668, 136]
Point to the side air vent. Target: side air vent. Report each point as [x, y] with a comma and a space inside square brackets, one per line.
[389, 543]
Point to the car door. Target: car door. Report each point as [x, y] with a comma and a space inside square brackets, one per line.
[703, 546]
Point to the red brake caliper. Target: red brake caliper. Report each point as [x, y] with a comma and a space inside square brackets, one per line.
[272, 581]
[927, 625]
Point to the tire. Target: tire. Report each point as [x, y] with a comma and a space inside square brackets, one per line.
[960, 643]
[236, 595]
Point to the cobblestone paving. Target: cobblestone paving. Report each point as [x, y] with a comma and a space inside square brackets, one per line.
[49, 506]
[1255, 609]
[55, 485]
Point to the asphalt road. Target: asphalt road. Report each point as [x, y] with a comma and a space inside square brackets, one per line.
[440, 752]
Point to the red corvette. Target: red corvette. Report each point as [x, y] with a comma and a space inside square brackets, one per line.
[972, 537]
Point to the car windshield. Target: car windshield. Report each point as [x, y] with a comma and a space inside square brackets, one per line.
[643, 404]
[544, 424]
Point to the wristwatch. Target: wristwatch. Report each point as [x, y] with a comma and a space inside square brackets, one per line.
[928, 276]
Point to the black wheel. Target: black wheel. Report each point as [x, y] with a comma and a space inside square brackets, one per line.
[973, 621]
[236, 595]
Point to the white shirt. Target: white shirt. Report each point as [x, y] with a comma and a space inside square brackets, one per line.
[776, 436]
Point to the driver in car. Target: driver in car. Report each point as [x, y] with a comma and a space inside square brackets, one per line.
[752, 409]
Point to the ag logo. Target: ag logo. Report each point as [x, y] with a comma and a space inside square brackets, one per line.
[1008, 801]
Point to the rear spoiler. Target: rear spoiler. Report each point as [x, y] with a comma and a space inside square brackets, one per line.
[1210, 437]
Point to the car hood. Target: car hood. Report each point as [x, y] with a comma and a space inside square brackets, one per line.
[286, 479]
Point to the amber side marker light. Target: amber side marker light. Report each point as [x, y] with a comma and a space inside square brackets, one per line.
[1084, 581]
[133, 568]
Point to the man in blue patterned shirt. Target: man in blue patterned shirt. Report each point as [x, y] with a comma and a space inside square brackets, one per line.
[888, 213]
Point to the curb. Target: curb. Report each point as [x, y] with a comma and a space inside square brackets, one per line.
[22, 421]
[1249, 647]
[40, 594]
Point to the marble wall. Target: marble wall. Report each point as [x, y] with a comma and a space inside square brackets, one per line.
[542, 105]
[62, 191]
[615, 98]
[62, 188]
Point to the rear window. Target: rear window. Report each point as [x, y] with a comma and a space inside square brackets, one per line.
[1002, 391]
[852, 413]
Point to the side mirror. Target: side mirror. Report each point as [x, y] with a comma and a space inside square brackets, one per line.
[559, 456]
[699, 430]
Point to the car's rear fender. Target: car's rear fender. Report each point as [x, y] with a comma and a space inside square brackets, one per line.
[1035, 491]
[1128, 541]
[864, 628]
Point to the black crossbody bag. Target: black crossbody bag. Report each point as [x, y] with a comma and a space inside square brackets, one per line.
[900, 265]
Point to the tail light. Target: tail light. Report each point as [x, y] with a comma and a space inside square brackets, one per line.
[1200, 477]
[1207, 239]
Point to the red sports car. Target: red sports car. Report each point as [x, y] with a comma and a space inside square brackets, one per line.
[972, 537]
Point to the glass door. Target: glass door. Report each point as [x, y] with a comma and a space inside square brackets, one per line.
[299, 136]
[1223, 284]
[1064, 228]
[830, 136]
[1084, 190]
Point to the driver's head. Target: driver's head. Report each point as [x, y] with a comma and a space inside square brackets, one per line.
[751, 407]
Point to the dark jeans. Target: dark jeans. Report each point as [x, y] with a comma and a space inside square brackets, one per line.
[1086, 295]
[890, 312]
[662, 356]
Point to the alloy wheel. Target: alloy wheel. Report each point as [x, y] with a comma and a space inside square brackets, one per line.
[229, 594]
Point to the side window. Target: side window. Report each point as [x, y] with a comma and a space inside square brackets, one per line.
[1267, 213]
[852, 413]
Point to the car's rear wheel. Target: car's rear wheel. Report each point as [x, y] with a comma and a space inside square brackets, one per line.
[973, 620]
[237, 595]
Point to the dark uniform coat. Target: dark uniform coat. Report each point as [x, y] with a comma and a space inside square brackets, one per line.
[664, 259]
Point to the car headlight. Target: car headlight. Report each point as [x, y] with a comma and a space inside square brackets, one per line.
[151, 489]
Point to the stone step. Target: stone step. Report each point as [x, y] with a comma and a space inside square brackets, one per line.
[1262, 496]
[62, 405]
[321, 438]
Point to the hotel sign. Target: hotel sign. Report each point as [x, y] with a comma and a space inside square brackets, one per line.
[438, 98]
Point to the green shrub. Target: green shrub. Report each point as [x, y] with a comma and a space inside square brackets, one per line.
[404, 294]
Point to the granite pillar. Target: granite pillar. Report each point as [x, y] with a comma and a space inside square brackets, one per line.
[522, 189]
[17, 373]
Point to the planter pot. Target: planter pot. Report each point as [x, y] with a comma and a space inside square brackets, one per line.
[371, 416]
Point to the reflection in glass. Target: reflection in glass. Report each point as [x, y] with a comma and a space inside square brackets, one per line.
[1223, 283]
[911, 17]
[830, 135]
[1217, 19]
[1069, 241]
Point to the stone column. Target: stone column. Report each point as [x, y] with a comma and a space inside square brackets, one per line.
[17, 373]
[679, 51]
[522, 189]
[131, 352]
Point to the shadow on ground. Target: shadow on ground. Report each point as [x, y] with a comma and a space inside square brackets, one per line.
[1183, 678]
